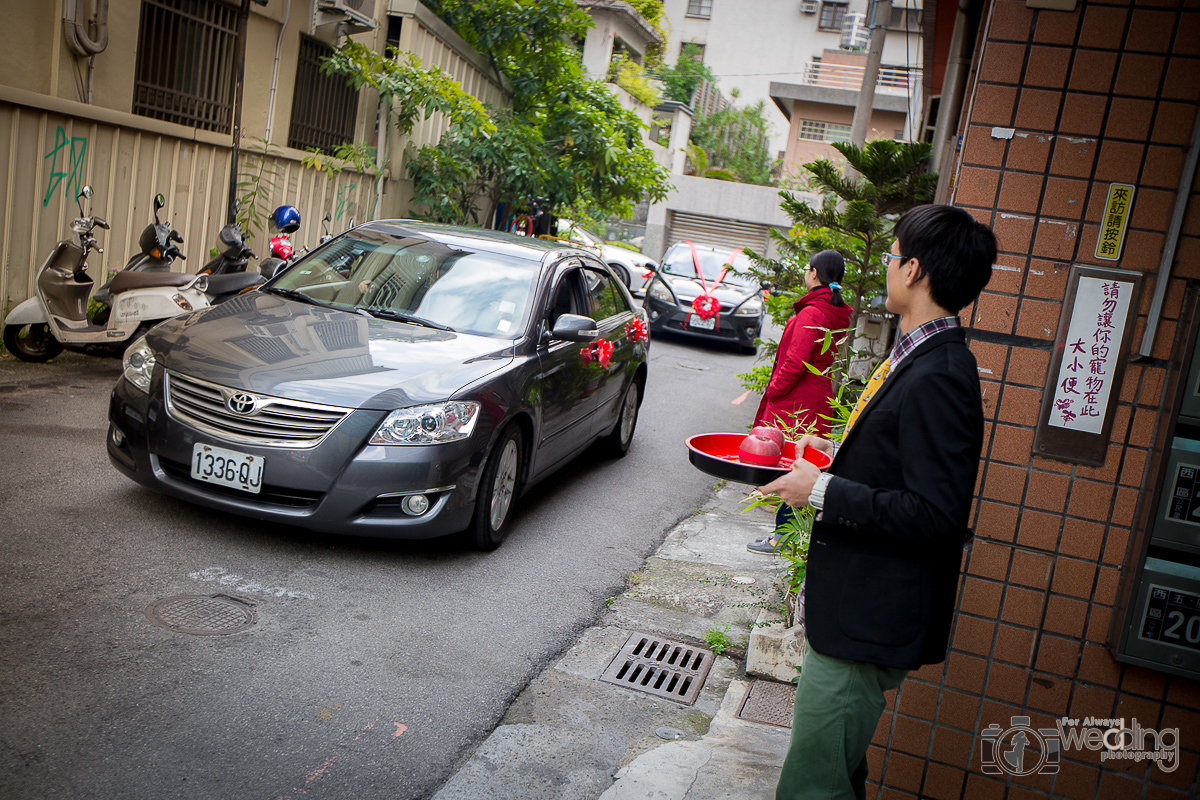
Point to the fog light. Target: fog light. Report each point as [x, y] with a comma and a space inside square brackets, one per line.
[118, 438]
[415, 504]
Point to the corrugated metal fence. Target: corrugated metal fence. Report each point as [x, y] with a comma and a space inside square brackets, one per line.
[50, 149]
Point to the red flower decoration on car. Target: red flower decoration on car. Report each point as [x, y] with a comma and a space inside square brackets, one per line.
[586, 354]
[706, 306]
[604, 351]
[635, 331]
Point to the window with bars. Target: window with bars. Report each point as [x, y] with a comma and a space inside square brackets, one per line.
[185, 63]
[324, 106]
[699, 8]
[832, 15]
[818, 131]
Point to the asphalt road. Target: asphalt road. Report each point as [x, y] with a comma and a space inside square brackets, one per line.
[375, 668]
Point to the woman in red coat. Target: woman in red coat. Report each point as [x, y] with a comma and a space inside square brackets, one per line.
[797, 396]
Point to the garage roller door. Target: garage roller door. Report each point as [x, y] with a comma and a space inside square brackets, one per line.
[717, 232]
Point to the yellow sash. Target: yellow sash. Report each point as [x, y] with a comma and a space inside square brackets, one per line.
[873, 385]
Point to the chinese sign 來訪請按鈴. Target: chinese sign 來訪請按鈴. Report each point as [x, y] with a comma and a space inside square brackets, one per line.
[1117, 206]
[1093, 342]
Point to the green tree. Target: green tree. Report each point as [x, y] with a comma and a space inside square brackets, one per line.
[681, 80]
[856, 218]
[410, 89]
[578, 145]
[737, 140]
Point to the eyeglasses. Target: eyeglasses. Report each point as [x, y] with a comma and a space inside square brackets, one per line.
[888, 264]
[810, 269]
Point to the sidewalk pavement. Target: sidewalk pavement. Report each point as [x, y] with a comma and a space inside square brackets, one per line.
[570, 736]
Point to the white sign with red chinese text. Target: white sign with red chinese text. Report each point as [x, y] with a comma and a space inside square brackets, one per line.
[1089, 361]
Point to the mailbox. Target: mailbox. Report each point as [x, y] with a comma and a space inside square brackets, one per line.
[1157, 624]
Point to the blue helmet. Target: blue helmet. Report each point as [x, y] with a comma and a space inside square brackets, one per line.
[286, 219]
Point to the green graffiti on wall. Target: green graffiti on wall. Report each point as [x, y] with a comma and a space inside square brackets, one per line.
[76, 148]
[344, 201]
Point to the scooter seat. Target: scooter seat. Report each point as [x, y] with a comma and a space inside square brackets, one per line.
[124, 281]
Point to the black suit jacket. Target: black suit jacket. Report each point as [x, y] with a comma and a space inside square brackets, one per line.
[884, 559]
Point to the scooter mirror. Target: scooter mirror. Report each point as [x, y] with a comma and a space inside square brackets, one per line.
[327, 218]
[86, 192]
[159, 201]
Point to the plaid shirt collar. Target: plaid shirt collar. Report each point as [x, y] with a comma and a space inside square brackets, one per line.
[909, 341]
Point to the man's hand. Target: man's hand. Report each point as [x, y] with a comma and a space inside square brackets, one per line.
[815, 442]
[795, 486]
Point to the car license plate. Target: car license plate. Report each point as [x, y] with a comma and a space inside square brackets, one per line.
[694, 321]
[227, 467]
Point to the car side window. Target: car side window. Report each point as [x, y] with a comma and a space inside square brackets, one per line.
[602, 298]
[566, 298]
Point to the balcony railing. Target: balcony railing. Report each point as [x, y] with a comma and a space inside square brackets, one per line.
[849, 76]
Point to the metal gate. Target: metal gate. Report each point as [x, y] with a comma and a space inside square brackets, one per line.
[717, 232]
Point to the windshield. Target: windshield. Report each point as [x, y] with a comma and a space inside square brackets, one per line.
[415, 279]
[678, 261]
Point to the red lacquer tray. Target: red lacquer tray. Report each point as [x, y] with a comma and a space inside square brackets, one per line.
[716, 454]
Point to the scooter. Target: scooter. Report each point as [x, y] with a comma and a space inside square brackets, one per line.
[56, 316]
[227, 275]
[158, 253]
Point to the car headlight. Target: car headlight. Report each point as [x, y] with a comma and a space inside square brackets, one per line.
[659, 291]
[434, 424]
[751, 308]
[139, 364]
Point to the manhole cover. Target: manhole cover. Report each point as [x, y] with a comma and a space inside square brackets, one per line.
[659, 667]
[769, 702]
[203, 615]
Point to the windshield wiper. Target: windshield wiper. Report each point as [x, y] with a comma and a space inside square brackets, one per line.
[292, 294]
[401, 316]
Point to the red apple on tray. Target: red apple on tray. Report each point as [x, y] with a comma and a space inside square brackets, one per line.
[760, 451]
[769, 432]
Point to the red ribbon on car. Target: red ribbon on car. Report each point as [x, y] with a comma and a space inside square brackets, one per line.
[707, 306]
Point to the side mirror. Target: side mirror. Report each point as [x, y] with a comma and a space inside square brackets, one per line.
[159, 201]
[327, 218]
[86, 192]
[574, 328]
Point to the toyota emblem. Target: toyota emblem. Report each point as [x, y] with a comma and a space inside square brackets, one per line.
[242, 403]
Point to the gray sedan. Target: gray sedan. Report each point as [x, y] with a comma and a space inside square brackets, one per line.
[404, 380]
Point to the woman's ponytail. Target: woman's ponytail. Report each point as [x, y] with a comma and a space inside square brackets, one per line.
[830, 270]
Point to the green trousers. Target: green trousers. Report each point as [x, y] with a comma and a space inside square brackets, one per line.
[838, 705]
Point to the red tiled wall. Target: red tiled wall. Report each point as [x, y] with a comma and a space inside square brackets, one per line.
[1105, 93]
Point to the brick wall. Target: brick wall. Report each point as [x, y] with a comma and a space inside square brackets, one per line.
[1106, 93]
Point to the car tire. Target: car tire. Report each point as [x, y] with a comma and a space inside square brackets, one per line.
[33, 343]
[621, 272]
[497, 490]
[616, 444]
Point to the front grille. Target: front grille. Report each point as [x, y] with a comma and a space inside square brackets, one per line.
[270, 495]
[274, 422]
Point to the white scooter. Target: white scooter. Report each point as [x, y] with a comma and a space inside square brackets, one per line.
[56, 317]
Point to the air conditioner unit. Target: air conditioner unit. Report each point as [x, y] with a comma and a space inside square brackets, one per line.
[360, 14]
[808, 6]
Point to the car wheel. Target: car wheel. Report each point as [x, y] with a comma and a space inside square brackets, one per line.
[622, 273]
[498, 491]
[617, 443]
[33, 342]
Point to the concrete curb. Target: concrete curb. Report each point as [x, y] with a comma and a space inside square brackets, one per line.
[568, 735]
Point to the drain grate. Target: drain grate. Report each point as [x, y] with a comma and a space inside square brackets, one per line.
[659, 667]
[203, 615]
[770, 703]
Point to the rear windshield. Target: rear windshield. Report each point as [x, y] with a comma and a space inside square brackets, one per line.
[678, 261]
[481, 293]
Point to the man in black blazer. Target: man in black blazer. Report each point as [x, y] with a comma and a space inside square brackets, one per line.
[887, 544]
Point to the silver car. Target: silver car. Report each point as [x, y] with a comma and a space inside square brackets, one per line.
[403, 380]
